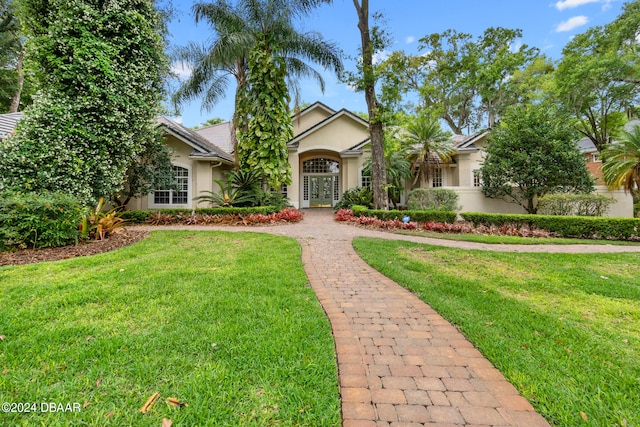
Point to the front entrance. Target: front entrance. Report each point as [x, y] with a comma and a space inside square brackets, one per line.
[320, 183]
[321, 191]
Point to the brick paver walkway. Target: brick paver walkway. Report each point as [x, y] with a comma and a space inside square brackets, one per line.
[400, 363]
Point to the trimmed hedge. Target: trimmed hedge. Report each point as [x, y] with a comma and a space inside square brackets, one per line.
[140, 216]
[39, 220]
[416, 216]
[584, 227]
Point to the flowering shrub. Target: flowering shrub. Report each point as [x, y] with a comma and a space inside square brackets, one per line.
[346, 215]
[285, 215]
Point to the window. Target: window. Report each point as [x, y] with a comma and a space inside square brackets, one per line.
[437, 178]
[284, 190]
[596, 157]
[476, 178]
[320, 166]
[365, 180]
[175, 197]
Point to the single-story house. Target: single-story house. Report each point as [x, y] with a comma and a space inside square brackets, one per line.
[327, 156]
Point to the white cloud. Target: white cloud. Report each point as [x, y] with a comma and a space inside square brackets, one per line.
[182, 69]
[410, 39]
[177, 119]
[570, 4]
[380, 56]
[606, 4]
[570, 24]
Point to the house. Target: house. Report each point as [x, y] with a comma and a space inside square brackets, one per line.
[326, 154]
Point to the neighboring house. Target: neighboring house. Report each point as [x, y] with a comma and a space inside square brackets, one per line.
[592, 159]
[327, 156]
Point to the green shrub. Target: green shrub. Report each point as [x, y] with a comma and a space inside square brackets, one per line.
[38, 220]
[584, 227]
[575, 204]
[362, 196]
[140, 216]
[433, 199]
[415, 216]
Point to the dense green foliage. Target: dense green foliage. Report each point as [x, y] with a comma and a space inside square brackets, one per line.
[584, 227]
[224, 322]
[362, 196]
[141, 216]
[414, 215]
[37, 220]
[564, 329]
[574, 204]
[598, 78]
[533, 153]
[621, 166]
[467, 83]
[13, 96]
[433, 199]
[99, 69]
[263, 146]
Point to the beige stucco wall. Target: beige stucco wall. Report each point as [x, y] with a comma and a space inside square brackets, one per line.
[310, 118]
[201, 176]
[472, 200]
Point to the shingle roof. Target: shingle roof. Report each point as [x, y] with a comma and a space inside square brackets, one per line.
[8, 123]
[220, 135]
[202, 146]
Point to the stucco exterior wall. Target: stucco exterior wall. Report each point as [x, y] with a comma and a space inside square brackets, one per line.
[472, 200]
[308, 119]
[201, 176]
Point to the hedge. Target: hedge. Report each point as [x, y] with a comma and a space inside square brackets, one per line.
[38, 220]
[415, 216]
[140, 216]
[584, 227]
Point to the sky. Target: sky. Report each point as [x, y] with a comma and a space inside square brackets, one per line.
[546, 24]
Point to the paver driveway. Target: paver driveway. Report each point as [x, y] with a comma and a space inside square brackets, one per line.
[399, 362]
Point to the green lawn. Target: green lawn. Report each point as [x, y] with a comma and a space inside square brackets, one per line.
[515, 240]
[224, 322]
[564, 329]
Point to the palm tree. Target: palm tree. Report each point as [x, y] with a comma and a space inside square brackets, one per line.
[398, 170]
[621, 167]
[427, 146]
[237, 31]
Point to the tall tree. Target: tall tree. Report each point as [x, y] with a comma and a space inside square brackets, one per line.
[466, 82]
[597, 78]
[532, 153]
[376, 128]
[12, 51]
[237, 29]
[622, 163]
[100, 69]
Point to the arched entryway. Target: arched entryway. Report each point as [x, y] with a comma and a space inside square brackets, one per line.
[320, 182]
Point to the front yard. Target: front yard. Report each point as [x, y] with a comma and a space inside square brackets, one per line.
[564, 329]
[222, 322]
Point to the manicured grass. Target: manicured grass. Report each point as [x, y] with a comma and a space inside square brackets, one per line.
[564, 329]
[515, 240]
[224, 322]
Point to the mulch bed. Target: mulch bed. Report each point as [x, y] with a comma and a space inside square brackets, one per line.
[124, 237]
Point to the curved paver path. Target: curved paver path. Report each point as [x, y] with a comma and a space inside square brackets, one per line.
[399, 362]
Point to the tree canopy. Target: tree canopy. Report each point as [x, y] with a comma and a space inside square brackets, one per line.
[99, 68]
[533, 153]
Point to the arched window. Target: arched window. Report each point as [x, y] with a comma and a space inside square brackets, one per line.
[320, 166]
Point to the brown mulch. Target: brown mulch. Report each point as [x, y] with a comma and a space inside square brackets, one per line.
[124, 237]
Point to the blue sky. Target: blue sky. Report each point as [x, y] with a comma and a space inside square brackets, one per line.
[546, 24]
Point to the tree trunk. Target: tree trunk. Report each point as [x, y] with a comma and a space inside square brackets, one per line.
[15, 99]
[376, 130]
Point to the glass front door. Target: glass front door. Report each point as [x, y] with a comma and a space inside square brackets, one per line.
[321, 191]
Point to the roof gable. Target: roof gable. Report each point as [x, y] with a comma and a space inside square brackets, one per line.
[201, 146]
[326, 122]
